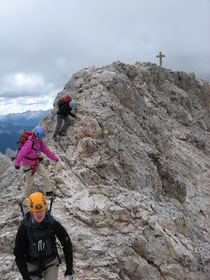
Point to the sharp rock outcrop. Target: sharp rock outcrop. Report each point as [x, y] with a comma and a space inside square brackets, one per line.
[133, 179]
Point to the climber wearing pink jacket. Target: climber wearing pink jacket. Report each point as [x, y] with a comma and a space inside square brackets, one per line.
[29, 155]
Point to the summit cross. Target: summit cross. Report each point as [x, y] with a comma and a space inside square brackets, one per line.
[160, 56]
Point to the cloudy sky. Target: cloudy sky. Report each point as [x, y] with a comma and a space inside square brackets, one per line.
[44, 42]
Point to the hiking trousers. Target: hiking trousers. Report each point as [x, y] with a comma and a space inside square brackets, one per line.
[59, 124]
[51, 273]
[30, 179]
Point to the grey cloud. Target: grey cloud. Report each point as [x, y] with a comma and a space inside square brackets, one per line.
[39, 102]
[9, 94]
[57, 38]
[24, 84]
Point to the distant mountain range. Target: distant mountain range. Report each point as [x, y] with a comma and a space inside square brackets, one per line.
[12, 126]
[26, 118]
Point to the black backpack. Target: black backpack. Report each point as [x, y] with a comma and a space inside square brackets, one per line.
[63, 101]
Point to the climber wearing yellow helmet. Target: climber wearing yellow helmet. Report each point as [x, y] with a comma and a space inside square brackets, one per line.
[35, 249]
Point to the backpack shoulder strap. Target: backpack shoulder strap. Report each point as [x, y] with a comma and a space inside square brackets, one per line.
[32, 147]
[32, 144]
[27, 219]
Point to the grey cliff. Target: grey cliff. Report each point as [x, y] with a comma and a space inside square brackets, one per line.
[133, 179]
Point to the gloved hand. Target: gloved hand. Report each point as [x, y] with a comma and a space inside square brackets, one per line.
[17, 167]
[69, 271]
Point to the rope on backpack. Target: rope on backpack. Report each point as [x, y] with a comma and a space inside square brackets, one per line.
[51, 202]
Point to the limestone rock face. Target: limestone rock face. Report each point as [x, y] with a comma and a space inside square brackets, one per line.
[10, 153]
[133, 179]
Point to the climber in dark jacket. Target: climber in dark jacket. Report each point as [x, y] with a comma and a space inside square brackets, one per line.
[63, 113]
[35, 247]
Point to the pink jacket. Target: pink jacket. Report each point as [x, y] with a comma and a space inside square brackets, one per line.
[31, 149]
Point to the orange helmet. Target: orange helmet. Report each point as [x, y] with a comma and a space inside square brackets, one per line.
[37, 202]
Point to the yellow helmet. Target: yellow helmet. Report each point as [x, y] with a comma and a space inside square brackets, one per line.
[37, 202]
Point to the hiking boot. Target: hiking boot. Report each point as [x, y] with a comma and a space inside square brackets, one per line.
[61, 133]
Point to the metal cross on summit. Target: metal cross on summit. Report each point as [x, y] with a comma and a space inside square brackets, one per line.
[160, 56]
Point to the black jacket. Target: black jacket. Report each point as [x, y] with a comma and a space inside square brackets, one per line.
[23, 243]
[65, 110]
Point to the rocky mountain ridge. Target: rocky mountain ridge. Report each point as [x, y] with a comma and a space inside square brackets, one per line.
[133, 179]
